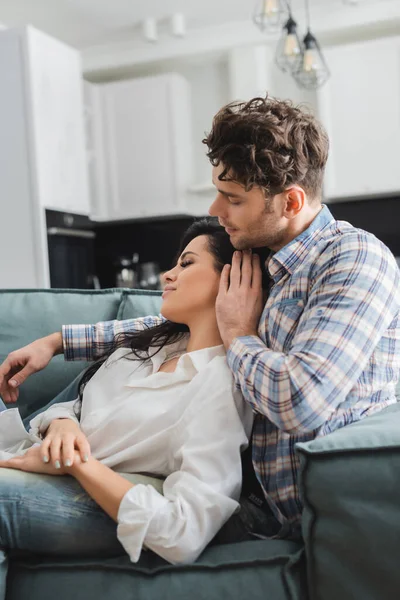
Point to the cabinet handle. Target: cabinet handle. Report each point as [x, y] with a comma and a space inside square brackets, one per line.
[80, 233]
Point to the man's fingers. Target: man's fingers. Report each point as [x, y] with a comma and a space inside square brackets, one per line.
[5, 368]
[246, 270]
[235, 274]
[18, 378]
[224, 281]
[256, 281]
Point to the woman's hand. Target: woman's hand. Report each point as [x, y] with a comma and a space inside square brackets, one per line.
[32, 462]
[64, 444]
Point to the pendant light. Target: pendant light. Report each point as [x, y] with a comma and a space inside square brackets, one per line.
[289, 52]
[268, 14]
[313, 71]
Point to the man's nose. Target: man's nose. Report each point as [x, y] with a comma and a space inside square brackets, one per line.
[217, 207]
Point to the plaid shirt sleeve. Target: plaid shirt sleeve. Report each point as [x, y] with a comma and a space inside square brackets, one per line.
[353, 298]
[88, 342]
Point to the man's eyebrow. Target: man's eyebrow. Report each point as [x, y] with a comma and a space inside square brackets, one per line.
[226, 193]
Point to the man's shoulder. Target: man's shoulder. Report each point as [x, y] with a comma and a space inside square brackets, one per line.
[340, 239]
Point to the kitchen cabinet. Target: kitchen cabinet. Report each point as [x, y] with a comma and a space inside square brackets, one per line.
[55, 108]
[140, 143]
[42, 149]
[360, 107]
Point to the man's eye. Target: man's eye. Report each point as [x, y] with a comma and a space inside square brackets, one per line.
[234, 202]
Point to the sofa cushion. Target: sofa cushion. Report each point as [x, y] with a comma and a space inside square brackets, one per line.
[258, 569]
[350, 483]
[26, 315]
[139, 303]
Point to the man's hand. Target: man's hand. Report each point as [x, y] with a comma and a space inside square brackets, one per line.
[64, 444]
[24, 362]
[240, 299]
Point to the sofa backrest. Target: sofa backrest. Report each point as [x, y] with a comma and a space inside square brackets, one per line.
[26, 315]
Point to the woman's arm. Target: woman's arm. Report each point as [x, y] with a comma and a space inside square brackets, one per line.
[102, 484]
[198, 497]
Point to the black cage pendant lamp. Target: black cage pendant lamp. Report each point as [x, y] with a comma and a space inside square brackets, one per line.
[269, 14]
[289, 52]
[312, 71]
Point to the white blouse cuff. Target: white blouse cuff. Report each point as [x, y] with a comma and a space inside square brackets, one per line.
[136, 512]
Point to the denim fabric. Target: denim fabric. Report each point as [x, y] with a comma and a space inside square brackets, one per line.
[51, 515]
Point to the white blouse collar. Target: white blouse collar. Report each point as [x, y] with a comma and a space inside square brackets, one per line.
[197, 358]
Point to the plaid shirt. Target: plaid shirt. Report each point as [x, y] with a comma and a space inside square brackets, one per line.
[327, 352]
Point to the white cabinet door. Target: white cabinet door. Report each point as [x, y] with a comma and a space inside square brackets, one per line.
[56, 110]
[144, 138]
[360, 107]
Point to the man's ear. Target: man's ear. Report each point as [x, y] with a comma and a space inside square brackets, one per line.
[295, 199]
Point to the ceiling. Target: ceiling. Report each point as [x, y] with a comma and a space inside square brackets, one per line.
[86, 23]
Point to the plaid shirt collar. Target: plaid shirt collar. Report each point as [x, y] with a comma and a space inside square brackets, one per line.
[291, 255]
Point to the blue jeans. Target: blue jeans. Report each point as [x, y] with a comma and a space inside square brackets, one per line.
[51, 515]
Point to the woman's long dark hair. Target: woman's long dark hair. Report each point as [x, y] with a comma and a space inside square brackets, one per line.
[168, 332]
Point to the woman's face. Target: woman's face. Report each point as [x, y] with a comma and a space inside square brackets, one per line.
[192, 285]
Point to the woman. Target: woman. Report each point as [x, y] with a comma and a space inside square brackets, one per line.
[166, 406]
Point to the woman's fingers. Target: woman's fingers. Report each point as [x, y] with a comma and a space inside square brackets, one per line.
[83, 447]
[44, 449]
[67, 450]
[55, 451]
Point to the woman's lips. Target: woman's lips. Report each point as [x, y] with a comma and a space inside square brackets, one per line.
[166, 292]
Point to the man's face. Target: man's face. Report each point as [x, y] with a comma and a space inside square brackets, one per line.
[251, 220]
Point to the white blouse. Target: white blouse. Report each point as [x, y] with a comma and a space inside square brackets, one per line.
[188, 426]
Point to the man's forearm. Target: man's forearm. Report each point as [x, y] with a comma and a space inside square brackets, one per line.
[56, 342]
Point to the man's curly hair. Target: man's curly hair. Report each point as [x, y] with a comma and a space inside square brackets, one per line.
[269, 143]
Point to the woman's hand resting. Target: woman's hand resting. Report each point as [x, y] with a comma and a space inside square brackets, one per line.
[32, 462]
[63, 442]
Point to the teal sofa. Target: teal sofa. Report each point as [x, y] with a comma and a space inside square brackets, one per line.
[350, 484]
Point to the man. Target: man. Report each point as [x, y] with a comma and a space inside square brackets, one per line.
[323, 351]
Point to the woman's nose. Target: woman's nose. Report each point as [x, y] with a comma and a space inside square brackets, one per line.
[169, 276]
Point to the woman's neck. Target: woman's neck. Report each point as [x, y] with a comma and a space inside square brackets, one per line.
[204, 333]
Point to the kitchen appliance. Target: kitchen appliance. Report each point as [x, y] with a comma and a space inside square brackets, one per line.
[149, 276]
[70, 240]
[126, 273]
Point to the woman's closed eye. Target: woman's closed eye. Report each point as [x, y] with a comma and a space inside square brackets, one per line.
[185, 263]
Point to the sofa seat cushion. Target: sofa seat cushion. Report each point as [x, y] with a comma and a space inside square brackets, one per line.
[350, 483]
[260, 570]
[26, 315]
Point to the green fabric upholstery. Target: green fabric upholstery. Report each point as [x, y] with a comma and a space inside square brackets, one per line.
[256, 570]
[138, 303]
[260, 570]
[26, 315]
[350, 483]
